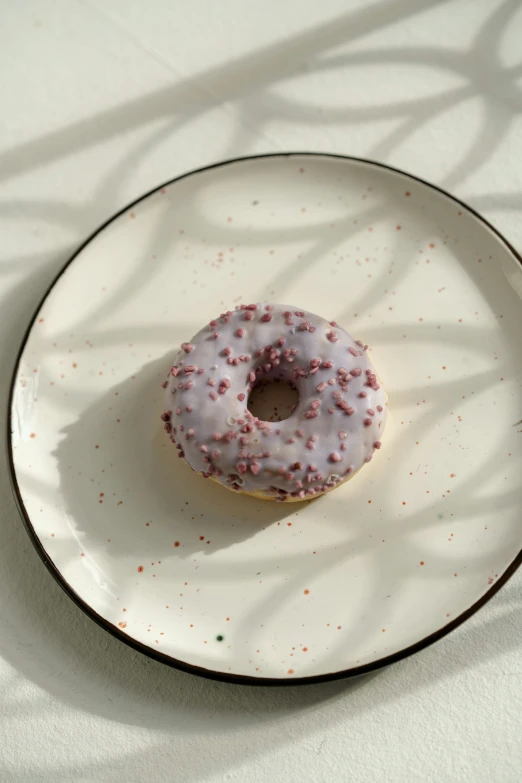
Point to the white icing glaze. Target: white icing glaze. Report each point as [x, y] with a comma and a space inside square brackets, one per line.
[334, 430]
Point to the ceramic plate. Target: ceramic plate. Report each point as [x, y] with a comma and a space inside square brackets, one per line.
[252, 591]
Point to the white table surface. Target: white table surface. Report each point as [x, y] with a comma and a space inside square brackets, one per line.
[100, 101]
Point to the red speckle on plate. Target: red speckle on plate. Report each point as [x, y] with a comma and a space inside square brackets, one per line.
[140, 569]
[176, 543]
[306, 591]
[122, 625]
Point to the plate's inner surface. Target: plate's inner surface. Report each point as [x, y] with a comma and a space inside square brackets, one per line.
[257, 588]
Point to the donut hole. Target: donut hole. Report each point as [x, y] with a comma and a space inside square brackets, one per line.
[273, 399]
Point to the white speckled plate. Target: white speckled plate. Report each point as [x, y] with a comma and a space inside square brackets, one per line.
[253, 591]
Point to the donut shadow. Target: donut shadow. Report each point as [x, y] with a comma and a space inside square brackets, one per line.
[124, 489]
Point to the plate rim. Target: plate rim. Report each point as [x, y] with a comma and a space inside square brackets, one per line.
[238, 679]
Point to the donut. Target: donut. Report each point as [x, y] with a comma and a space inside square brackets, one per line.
[334, 430]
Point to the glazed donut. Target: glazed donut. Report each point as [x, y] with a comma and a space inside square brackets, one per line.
[332, 432]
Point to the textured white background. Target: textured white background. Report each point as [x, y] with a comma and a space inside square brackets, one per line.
[100, 101]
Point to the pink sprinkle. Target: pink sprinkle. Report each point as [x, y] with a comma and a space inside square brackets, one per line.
[211, 382]
[311, 414]
[189, 368]
[299, 433]
[356, 372]
[333, 323]
[331, 381]
[215, 335]
[304, 326]
[213, 324]
[200, 371]
[255, 467]
[248, 315]
[337, 395]
[267, 367]
[188, 385]
[165, 416]
[268, 307]
[251, 377]
[178, 411]
[380, 408]
[227, 351]
[327, 365]
[290, 476]
[215, 454]
[213, 395]
[335, 457]
[312, 468]
[370, 412]
[368, 458]
[241, 467]
[332, 337]
[331, 410]
[299, 313]
[310, 445]
[240, 332]
[266, 317]
[348, 470]
[204, 449]
[174, 371]
[281, 342]
[289, 322]
[315, 404]
[187, 347]
[348, 411]
[353, 351]
[377, 444]
[251, 307]
[241, 397]
[190, 432]
[188, 408]
[367, 422]
[322, 386]
[343, 435]
[362, 394]
[343, 446]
